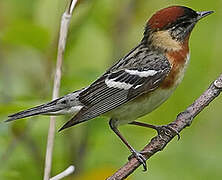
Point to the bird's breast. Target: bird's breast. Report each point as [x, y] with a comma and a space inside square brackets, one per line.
[178, 61]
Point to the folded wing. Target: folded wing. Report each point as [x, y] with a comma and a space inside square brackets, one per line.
[117, 87]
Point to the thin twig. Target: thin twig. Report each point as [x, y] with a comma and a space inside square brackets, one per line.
[65, 173]
[184, 119]
[65, 21]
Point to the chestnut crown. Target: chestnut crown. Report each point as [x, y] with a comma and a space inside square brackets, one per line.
[178, 20]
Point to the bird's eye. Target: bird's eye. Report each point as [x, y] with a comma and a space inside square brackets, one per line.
[181, 29]
[185, 24]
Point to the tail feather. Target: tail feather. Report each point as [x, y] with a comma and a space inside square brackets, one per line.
[41, 109]
[63, 105]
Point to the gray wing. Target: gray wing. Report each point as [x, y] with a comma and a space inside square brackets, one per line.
[121, 84]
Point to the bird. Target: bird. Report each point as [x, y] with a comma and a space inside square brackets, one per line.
[136, 84]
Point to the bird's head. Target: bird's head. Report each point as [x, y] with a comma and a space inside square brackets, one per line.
[170, 27]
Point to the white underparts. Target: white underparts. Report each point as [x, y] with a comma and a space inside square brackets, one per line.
[74, 109]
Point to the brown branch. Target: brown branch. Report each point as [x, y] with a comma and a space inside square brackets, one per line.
[64, 26]
[184, 119]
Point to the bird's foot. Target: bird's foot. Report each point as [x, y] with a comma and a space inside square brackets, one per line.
[167, 130]
[139, 156]
[162, 130]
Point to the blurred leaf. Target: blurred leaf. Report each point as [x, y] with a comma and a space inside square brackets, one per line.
[18, 128]
[25, 33]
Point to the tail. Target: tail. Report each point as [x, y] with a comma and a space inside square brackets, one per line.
[68, 104]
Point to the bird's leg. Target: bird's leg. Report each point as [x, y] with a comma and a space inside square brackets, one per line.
[159, 129]
[135, 154]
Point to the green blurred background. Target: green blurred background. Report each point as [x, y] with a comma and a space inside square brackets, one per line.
[101, 32]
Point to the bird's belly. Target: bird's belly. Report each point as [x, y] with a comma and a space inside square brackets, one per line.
[140, 106]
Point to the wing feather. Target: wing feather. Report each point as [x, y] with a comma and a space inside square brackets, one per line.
[120, 85]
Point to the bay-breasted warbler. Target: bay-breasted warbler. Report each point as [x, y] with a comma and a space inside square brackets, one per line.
[136, 84]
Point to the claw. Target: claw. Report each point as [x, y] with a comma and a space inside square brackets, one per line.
[160, 129]
[140, 158]
[163, 129]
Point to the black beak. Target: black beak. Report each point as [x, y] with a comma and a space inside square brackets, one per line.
[203, 14]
